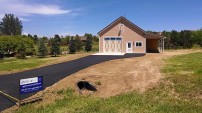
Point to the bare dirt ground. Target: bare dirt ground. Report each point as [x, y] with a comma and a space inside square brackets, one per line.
[117, 76]
[122, 75]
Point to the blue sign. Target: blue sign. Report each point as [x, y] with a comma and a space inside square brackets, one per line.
[30, 85]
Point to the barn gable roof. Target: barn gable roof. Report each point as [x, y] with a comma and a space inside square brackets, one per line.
[124, 20]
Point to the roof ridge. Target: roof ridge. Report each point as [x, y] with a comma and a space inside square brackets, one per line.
[121, 17]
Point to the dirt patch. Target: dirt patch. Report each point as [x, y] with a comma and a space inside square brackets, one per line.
[117, 76]
[122, 75]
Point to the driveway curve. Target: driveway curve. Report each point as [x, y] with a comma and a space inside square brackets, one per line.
[53, 73]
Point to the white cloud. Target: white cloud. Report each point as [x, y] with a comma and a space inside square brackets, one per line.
[71, 34]
[26, 8]
[25, 33]
[24, 19]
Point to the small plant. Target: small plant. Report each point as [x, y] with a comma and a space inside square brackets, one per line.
[196, 46]
[60, 92]
[98, 83]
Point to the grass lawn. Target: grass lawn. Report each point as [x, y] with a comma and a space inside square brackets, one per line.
[179, 92]
[9, 65]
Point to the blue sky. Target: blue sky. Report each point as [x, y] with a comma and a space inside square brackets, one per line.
[70, 17]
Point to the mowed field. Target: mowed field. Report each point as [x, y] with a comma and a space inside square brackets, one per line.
[13, 65]
[170, 82]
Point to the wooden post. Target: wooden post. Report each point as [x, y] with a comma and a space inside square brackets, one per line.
[163, 43]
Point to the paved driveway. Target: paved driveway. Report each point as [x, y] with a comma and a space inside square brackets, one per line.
[52, 74]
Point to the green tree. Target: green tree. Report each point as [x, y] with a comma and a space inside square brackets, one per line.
[78, 43]
[7, 44]
[36, 39]
[88, 45]
[174, 38]
[197, 37]
[89, 36]
[11, 25]
[55, 46]
[16, 44]
[167, 40]
[42, 49]
[185, 39]
[45, 39]
[30, 36]
[24, 46]
[72, 46]
[65, 40]
[95, 39]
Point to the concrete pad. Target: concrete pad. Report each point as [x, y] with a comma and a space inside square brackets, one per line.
[121, 54]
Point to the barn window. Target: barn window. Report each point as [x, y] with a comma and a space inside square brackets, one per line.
[118, 38]
[107, 38]
[138, 44]
[113, 38]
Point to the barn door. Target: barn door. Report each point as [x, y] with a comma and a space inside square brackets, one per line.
[129, 47]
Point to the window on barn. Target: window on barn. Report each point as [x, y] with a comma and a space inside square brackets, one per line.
[138, 44]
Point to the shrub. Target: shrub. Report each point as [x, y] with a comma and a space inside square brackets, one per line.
[88, 46]
[42, 49]
[196, 46]
[55, 46]
[72, 46]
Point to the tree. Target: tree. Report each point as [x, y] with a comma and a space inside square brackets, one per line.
[197, 37]
[89, 36]
[78, 43]
[15, 44]
[95, 39]
[11, 25]
[24, 46]
[7, 44]
[45, 39]
[65, 40]
[167, 40]
[42, 49]
[30, 36]
[55, 46]
[174, 38]
[35, 38]
[88, 46]
[185, 39]
[72, 46]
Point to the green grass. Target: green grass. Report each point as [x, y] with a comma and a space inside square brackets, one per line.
[186, 73]
[10, 64]
[178, 92]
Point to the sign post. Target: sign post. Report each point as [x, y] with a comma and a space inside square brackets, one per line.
[30, 85]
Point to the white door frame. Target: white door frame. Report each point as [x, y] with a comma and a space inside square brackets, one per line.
[131, 51]
[110, 45]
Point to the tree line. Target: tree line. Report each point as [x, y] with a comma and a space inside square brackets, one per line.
[13, 43]
[184, 39]
[73, 43]
[21, 46]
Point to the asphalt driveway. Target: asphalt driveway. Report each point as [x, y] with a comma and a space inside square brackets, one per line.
[52, 74]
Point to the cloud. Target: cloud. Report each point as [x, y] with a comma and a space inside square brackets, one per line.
[71, 34]
[26, 8]
[25, 33]
[24, 19]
